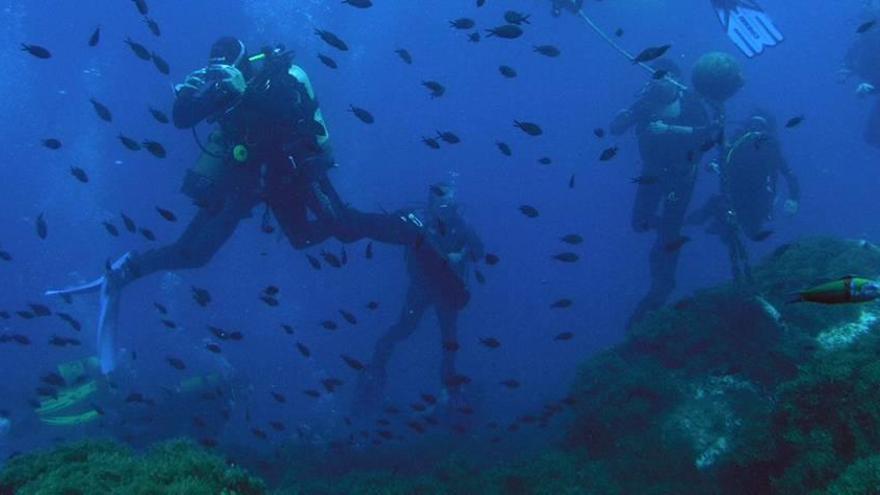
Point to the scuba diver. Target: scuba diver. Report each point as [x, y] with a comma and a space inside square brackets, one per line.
[431, 284]
[573, 6]
[749, 174]
[673, 128]
[272, 147]
[862, 60]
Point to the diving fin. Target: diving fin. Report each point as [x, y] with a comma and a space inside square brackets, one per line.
[747, 25]
[109, 287]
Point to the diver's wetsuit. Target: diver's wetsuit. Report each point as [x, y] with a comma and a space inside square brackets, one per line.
[862, 59]
[751, 171]
[430, 285]
[286, 168]
[672, 161]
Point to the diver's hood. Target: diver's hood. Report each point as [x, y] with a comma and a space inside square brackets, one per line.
[228, 51]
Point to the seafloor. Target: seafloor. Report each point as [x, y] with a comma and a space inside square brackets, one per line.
[731, 391]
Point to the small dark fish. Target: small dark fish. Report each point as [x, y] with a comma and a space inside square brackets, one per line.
[762, 235]
[645, 180]
[236, 336]
[451, 346]
[618, 32]
[79, 174]
[474, 37]
[490, 342]
[546, 160]
[404, 55]
[564, 336]
[167, 214]
[76, 325]
[492, 259]
[160, 308]
[53, 379]
[517, 18]
[431, 143]
[507, 32]
[462, 23]
[176, 363]
[169, 324]
[153, 26]
[349, 317]
[212, 347]
[329, 325]
[573, 239]
[481, 279]
[111, 229]
[259, 433]
[5, 256]
[279, 398]
[148, 234]
[504, 148]
[448, 137]
[201, 296]
[794, 122]
[312, 393]
[457, 380]
[567, 257]
[331, 384]
[270, 301]
[271, 290]
[507, 71]
[529, 128]
[218, 332]
[372, 305]
[548, 51]
[353, 363]
[651, 53]
[139, 50]
[52, 143]
[608, 154]
[332, 40]
[361, 4]
[599, 132]
[129, 223]
[313, 262]
[436, 89]
[160, 63]
[677, 244]
[480, 3]
[571, 182]
[102, 110]
[277, 425]
[21, 339]
[36, 50]
[289, 330]
[331, 259]
[362, 115]
[867, 26]
[562, 304]
[95, 37]
[368, 252]
[329, 62]
[40, 310]
[303, 349]
[42, 227]
[155, 149]
[25, 315]
[142, 6]
[529, 211]
[158, 115]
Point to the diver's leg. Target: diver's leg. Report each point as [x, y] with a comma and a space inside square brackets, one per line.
[203, 238]
[417, 301]
[644, 214]
[664, 256]
[290, 207]
[448, 319]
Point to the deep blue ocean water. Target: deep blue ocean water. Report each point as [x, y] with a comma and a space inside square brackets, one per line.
[385, 166]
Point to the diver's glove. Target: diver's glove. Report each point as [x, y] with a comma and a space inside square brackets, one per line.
[791, 207]
[207, 92]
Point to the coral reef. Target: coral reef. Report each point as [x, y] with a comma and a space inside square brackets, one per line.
[95, 468]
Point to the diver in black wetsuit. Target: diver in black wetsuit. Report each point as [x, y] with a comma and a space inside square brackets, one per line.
[271, 147]
[431, 285]
[750, 174]
[670, 125]
[863, 61]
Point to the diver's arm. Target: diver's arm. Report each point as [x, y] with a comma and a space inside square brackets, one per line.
[300, 75]
[623, 121]
[206, 92]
